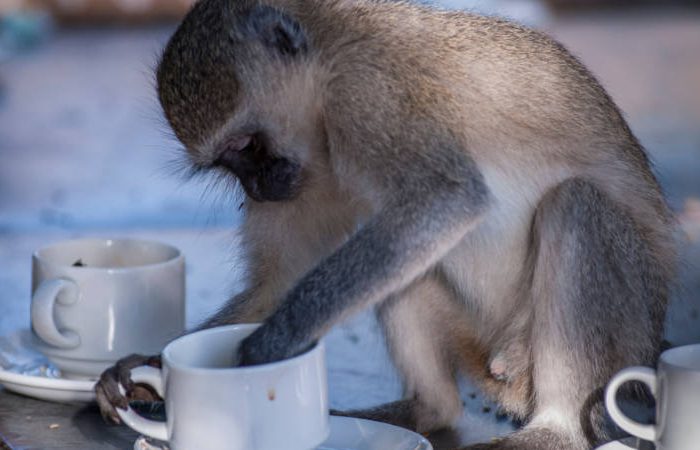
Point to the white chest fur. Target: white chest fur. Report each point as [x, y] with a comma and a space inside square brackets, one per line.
[486, 268]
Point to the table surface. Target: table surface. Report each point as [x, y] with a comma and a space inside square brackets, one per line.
[82, 157]
[359, 375]
[35, 424]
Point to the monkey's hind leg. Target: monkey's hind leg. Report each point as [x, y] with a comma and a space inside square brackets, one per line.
[417, 324]
[599, 299]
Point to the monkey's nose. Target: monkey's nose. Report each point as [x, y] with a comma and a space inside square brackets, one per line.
[237, 154]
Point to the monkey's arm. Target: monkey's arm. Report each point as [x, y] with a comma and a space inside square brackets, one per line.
[425, 217]
[241, 308]
[267, 273]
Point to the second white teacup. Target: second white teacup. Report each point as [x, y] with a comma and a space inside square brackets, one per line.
[95, 301]
[676, 387]
[212, 405]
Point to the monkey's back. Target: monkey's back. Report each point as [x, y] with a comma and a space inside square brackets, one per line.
[526, 110]
[471, 72]
[402, 82]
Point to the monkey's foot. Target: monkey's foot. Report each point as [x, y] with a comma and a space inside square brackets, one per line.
[407, 413]
[532, 439]
[400, 413]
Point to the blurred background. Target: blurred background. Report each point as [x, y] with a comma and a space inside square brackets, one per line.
[84, 150]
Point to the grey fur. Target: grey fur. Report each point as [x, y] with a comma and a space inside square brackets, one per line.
[465, 174]
[400, 413]
[400, 243]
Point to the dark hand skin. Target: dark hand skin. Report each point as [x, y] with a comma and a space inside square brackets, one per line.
[107, 388]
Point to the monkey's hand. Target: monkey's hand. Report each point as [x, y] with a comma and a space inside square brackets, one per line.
[107, 388]
[264, 346]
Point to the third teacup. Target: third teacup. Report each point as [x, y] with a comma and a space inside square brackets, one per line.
[676, 387]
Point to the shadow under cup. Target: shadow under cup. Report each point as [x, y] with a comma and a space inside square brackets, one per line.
[211, 404]
[95, 301]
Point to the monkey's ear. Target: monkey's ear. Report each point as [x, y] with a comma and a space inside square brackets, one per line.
[276, 30]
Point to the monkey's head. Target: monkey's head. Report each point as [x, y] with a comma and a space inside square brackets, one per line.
[236, 87]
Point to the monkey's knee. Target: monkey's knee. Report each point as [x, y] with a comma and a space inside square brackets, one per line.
[599, 297]
[596, 270]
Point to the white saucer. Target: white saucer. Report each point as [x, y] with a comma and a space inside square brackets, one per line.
[26, 371]
[359, 434]
[349, 434]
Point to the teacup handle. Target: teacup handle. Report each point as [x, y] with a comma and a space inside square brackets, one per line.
[152, 428]
[43, 301]
[646, 376]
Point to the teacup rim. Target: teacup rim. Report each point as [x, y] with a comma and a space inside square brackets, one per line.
[667, 356]
[178, 255]
[308, 353]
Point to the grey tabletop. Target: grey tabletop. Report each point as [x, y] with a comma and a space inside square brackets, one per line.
[359, 375]
[27, 423]
[83, 154]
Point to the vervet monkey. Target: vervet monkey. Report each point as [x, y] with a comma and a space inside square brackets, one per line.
[465, 175]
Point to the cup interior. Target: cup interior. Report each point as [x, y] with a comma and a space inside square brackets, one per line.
[214, 349]
[686, 357]
[108, 253]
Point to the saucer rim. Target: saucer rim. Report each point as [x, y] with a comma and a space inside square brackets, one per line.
[37, 381]
[62, 384]
[339, 421]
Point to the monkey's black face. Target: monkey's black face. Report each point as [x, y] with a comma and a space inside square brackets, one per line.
[202, 77]
[263, 175]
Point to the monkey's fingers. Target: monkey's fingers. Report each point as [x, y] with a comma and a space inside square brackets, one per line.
[106, 403]
[154, 361]
[107, 389]
[110, 382]
[144, 393]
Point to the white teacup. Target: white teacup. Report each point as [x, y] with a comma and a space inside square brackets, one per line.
[676, 387]
[212, 405]
[95, 301]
